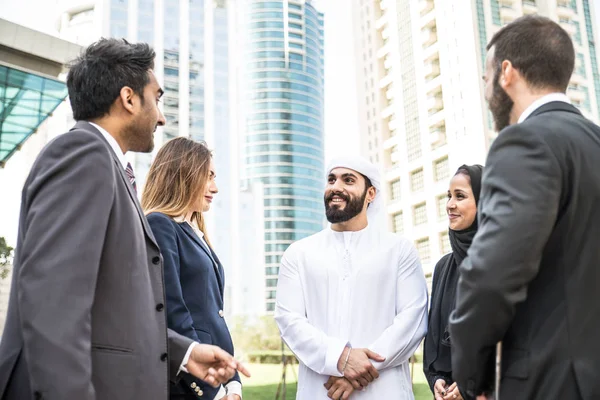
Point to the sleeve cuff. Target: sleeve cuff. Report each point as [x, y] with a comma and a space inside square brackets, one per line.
[186, 358]
[221, 393]
[234, 387]
[334, 352]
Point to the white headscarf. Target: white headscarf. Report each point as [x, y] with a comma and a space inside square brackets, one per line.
[375, 212]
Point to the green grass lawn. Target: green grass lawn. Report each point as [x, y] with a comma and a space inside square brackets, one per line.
[266, 377]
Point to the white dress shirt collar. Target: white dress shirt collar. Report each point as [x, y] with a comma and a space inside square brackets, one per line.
[113, 144]
[541, 101]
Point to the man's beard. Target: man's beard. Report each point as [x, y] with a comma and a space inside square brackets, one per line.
[500, 105]
[353, 207]
[140, 139]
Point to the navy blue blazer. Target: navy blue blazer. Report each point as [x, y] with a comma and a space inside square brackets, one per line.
[194, 284]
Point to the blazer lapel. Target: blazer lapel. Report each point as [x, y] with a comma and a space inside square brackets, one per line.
[130, 190]
[221, 271]
[190, 232]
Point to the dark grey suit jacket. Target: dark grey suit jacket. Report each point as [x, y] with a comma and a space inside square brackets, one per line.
[533, 271]
[86, 317]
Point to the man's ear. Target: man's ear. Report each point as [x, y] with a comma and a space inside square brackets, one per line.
[127, 99]
[508, 75]
[371, 193]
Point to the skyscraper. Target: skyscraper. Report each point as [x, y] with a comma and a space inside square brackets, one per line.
[192, 42]
[281, 108]
[421, 106]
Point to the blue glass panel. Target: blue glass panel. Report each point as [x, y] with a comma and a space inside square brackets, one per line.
[26, 100]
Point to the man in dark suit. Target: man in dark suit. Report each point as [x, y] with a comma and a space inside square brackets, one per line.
[86, 318]
[531, 275]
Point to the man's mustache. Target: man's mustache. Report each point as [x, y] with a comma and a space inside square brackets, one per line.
[340, 195]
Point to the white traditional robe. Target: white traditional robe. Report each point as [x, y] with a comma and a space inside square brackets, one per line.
[364, 288]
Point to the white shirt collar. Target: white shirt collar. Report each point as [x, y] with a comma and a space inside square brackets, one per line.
[181, 219]
[113, 144]
[541, 101]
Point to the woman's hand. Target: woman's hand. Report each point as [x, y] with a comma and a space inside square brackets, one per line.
[452, 393]
[439, 389]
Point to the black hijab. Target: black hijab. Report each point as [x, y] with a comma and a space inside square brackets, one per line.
[437, 343]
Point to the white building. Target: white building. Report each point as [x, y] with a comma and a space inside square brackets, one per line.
[420, 96]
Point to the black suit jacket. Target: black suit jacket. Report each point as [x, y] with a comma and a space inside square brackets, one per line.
[194, 285]
[532, 273]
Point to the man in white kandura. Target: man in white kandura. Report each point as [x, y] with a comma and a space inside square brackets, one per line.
[352, 299]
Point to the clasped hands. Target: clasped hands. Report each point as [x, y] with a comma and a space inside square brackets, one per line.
[358, 373]
[213, 365]
[442, 391]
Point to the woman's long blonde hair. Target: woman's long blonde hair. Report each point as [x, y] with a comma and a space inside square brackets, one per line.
[177, 178]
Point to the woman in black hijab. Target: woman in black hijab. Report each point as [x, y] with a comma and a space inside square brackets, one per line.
[463, 196]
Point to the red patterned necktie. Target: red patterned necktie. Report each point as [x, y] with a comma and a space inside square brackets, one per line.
[129, 171]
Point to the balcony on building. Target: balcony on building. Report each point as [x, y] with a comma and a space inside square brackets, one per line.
[437, 136]
[388, 111]
[389, 93]
[565, 3]
[432, 69]
[567, 25]
[434, 103]
[384, 49]
[429, 36]
[382, 21]
[386, 80]
[565, 11]
[575, 94]
[529, 7]
[387, 62]
[508, 12]
[391, 140]
[425, 6]
[393, 123]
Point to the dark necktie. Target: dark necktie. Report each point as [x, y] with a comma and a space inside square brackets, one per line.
[131, 176]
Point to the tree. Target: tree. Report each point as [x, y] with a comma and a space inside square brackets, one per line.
[6, 255]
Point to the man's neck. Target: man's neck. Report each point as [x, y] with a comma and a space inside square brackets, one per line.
[112, 130]
[355, 224]
[524, 101]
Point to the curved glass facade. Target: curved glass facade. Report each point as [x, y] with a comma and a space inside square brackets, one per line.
[283, 107]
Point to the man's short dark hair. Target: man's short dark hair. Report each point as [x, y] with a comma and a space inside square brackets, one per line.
[97, 76]
[368, 182]
[539, 49]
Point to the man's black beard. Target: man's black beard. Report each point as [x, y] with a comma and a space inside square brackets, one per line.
[353, 207]
[500, 105]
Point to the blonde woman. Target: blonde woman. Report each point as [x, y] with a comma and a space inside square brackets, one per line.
[179, 188]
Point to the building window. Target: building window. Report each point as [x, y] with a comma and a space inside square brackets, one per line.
[441, 169]
[420, 214]
[271, 294]
[445, 243]
[398, 223]
[271, 282]
[395, 189]
[417, 180]
[441, 202]
[423, 250]
[270, 307]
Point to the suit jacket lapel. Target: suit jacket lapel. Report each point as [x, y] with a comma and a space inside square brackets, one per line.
[220, 270]
[190, 232]
[130, 190]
